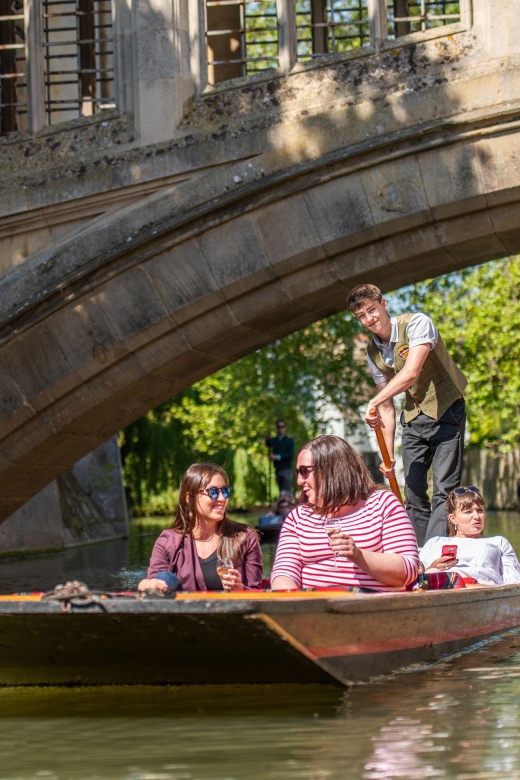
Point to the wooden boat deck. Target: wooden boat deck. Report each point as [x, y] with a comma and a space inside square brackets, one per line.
[320, 637]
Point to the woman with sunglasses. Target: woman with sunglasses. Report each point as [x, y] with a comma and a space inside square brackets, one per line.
[343, 531]
[489, 561]
[202, 538]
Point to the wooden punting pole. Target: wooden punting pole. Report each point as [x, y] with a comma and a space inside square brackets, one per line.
[387, 461]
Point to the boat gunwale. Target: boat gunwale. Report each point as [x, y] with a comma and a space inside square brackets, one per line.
[336, 602]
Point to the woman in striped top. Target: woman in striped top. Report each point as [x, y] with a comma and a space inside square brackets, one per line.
[343, 531]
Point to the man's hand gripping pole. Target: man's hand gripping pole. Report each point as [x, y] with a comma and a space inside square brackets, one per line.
[386, 459]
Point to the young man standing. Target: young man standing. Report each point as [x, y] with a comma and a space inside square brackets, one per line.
[282, 454]
[407, 354]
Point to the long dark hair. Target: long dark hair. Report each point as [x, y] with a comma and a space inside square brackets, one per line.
[341, 478]
[232, 535]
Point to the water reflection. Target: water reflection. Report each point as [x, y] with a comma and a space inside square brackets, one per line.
[400, 750]
[458, 720]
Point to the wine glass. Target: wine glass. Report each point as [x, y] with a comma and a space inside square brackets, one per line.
[223, 566]
[332, 526]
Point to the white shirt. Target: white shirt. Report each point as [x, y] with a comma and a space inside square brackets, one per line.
[490, 560]
[420, 330]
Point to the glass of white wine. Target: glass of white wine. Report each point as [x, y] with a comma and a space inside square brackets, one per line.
[332, 526]
[223, 566]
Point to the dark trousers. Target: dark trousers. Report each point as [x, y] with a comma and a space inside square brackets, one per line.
[284, 480]
[439, 444]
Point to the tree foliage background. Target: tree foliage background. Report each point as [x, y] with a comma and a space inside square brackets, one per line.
[478, 314]
[225, 417]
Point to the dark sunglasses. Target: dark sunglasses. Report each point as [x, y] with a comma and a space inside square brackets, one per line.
[304, 471]
[213, 492]
[469, 489]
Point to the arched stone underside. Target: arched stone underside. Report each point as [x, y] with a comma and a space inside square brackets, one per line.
[142, 304]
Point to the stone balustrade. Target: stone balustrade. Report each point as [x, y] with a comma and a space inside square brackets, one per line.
[61, 60]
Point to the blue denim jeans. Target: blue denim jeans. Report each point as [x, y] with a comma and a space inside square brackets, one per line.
[170, 579]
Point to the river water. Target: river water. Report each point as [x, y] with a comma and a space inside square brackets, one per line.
[458, 719]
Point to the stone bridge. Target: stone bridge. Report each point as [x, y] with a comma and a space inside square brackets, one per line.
[133, 269]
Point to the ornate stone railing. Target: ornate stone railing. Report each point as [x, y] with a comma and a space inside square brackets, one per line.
[246, 37]
[62, 60]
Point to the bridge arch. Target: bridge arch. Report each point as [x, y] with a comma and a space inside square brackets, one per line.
[141, 304]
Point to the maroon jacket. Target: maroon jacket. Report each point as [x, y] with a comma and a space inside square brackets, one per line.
[177, 553]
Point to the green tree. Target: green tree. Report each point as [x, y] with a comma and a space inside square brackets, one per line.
[226, 416]
[478, 314]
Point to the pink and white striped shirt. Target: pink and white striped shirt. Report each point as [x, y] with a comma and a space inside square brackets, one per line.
[381, 525]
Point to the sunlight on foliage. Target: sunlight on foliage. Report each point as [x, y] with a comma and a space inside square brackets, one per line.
[478, 314]
[225, 417]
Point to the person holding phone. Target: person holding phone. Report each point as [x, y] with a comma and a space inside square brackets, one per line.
[204, 549]
[464, 549]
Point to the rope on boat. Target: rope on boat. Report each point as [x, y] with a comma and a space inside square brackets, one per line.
[76, 594]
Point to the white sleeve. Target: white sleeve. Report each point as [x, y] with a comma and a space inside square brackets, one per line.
[430, 552]
[510, 563]
[377, 375]
[421, 330]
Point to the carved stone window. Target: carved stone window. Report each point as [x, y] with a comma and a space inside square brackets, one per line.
[56, 61]
[242, 38]
[13, 77]
[79, 58]
[331, 27]
[409, 16]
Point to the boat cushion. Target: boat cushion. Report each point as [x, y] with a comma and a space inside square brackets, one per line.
[438, 581]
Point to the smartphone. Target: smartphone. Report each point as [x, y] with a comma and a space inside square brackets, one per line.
[449, 549]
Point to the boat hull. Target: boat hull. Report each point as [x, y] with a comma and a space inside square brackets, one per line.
[333, 638]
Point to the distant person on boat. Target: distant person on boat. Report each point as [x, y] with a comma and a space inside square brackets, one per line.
[407, 354]
[272, 522]
[343, 531]
[281, 508]
[282, 455]
[489, 560]
[202, 541]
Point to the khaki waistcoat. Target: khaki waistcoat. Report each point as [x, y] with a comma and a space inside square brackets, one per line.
[440, 381]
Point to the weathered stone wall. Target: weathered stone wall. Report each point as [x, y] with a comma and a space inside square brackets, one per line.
[86, 504]
[53, 183]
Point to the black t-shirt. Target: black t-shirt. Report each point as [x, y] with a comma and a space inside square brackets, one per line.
[209, 572]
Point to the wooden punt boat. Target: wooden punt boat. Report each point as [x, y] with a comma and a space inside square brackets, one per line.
[269, 527]
[318, 637]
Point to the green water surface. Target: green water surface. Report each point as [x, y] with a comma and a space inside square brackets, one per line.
[459, 720]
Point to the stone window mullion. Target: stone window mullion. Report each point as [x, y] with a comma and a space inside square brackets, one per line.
[377, 12]
[34, 55]
[287, 34]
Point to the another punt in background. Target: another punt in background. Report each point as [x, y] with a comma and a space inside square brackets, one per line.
[269, 527]
[321, 637]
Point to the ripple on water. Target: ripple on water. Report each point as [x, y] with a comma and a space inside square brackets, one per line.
[459, 719]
